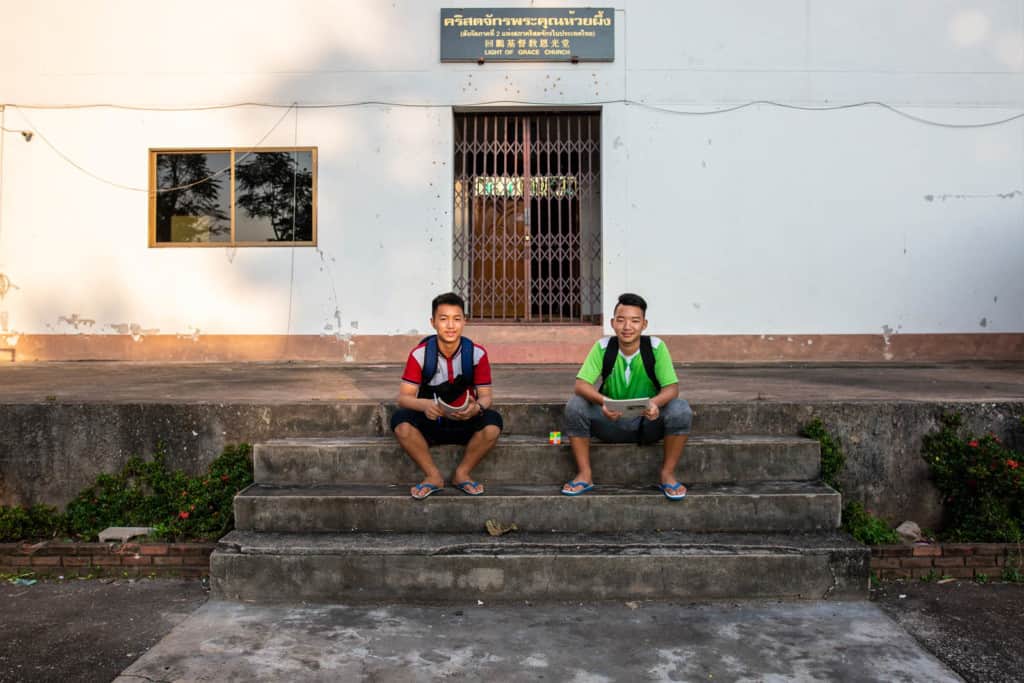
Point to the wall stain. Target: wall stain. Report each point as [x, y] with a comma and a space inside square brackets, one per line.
[194, 335]
[998, 195]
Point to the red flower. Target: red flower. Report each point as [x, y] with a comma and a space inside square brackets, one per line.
[1012, 464]
[973, 444]
[224, 477]
[184, 494]
[183, 514]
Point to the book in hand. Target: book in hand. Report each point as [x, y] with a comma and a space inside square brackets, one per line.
[447, 409]
[629, 407]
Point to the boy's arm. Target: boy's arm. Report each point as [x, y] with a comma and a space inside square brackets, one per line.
[407, 399]
[589, 391]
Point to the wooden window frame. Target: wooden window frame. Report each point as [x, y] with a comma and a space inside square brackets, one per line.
[231, 151]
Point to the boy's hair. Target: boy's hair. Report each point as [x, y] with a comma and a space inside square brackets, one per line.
[447, 299]
[628, 299]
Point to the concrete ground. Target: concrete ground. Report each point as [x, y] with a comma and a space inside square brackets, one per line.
[298, 382]
[975, 629]
[87, 630]
[90, 630]
[616, 642]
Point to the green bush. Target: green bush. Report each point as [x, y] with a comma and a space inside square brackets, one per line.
[981, 482]
[865, 527]
[832, 457]
[149, 494]
[29, 524]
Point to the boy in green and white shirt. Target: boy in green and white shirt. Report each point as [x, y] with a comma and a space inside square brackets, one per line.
[666, 416]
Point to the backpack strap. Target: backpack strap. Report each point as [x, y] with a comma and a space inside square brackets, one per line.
[647, 356]
[430, 354]
[429, 360]
[466, 349]
[611, 353]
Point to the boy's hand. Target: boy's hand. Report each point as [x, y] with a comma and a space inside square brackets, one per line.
[471, 410]
[652, 411]
[433, 411]
[610, 414]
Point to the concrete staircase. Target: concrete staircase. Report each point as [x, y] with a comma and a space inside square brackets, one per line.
[330, 520]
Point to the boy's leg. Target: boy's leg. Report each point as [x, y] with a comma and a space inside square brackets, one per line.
[479, 445]
[583, 419]
[677, 419]
[406, 425]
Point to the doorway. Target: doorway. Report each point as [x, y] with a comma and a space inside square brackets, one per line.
[527, 223]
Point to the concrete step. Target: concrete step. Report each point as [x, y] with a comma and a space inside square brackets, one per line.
[463, 568]
[758, 507]
[531, 460]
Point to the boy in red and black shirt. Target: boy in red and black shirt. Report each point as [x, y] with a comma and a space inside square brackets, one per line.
[460, 382]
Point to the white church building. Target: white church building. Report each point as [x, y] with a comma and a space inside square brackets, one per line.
[798, 180]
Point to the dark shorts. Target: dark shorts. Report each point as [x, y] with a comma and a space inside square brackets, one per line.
[443, 431]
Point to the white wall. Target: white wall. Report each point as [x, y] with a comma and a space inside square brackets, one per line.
[764, 220]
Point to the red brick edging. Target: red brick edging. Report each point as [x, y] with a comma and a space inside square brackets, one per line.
[63, 558]
[956, 560]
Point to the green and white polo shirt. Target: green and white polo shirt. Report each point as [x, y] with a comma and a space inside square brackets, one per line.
[628, 378]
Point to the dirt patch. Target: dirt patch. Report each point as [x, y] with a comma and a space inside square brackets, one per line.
[974, 629]
[88, 630]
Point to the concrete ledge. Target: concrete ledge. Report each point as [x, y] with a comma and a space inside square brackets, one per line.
[531, 460]
[542, 567]
[763, 507]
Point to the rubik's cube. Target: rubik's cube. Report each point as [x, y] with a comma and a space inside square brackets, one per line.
[555, 438]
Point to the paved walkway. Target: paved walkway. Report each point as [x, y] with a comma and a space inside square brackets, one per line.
[621, 642]
[297, 382]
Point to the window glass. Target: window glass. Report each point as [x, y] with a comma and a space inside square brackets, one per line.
[273, 196]
[193, 197]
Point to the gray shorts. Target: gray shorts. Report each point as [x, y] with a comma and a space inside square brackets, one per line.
[583, 418]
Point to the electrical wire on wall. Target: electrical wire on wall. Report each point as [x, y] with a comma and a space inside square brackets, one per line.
[34, 130]
[3, 113]
[295, 210]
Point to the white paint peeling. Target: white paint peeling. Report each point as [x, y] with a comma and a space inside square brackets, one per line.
[5, 285]
[137, 332]
[887, 334]
[76, 321]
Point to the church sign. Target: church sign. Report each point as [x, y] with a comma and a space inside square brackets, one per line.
[581, 34]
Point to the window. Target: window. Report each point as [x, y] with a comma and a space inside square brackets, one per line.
[232, 197]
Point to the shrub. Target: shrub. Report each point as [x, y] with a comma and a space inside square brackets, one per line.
[175, 504]
[865, 527]
[832, 457]
[981, 482]
[33, 523]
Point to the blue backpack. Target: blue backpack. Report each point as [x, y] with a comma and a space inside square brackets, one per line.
[451, 389]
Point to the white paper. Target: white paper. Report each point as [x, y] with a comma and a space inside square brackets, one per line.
[448, 409]
[627, 406]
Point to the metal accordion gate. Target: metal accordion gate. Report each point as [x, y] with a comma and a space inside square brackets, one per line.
[527, 216]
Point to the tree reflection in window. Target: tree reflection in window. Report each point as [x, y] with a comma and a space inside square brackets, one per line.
[274, 196]
[192, 206]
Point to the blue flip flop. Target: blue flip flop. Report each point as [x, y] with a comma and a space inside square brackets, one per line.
[430, 488]
[585, 485]
[464, 486]
[670, 491]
